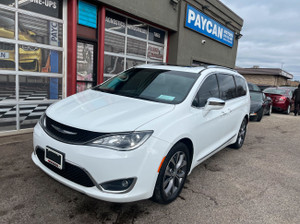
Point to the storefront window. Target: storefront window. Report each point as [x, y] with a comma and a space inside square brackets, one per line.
[37, 65]
[114, 43]
[7, 117]
[36, 30]
[136, 47]
[7, 87]
[39, 88]
[7, 56]
[31, 113]
[155, 52]
[132, 62]
[7, 24]
[156, 35]
[34, 59]
[113, 64]
[130, 42]
[115, 22]
[46, 7]
[8, 2]
[137, 29]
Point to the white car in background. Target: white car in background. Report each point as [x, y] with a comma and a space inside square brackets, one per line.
[139, 134]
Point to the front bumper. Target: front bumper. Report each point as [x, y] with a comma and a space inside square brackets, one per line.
[103, 165]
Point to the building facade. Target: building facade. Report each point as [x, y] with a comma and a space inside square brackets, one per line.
[55, 48]
[266, 76]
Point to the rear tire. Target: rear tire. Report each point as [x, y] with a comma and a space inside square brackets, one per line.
[172, 174]
[241, 135]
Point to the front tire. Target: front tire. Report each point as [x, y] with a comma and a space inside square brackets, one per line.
[260, 115]
[172, 174]
[241, 135]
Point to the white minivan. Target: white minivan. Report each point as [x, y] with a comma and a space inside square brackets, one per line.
[139, 134]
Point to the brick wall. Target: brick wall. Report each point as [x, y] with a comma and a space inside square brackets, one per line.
[267, 80]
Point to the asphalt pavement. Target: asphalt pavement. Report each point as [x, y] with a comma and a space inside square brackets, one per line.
[260, 183]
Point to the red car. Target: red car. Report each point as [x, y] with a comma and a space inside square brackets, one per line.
[281, 97]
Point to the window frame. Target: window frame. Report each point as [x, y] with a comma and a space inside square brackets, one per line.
[216, 74]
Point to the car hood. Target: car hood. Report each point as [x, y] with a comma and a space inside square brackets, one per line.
[255, 106]
[104, 112]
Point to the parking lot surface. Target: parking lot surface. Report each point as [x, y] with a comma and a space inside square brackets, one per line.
[260, 183]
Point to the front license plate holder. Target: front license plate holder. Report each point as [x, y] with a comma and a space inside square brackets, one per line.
[54, 157]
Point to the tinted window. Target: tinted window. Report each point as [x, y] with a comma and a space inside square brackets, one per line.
[227, 87]
[241, 87]
[256, 96]
[253, 87]
[151, 84]
[208, 89]
[275, 91]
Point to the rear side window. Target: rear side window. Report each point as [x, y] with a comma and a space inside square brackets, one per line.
[227, 87]
[241, 88]
[208, 89]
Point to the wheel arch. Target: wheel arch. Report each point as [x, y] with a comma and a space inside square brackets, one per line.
[188, 142]
[247, 117]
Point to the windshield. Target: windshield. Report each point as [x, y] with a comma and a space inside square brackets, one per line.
[151, 84]
[275, 91]
[256, 96]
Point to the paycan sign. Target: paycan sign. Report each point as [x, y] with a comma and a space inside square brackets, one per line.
[205, 25]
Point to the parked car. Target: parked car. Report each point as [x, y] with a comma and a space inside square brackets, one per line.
[260, 105]
[253, 87]
[139, 134]
[282, 98]
[263, 87]
[292, 88]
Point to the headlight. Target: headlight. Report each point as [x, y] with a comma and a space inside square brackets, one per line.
[123, 141]
[29, 48]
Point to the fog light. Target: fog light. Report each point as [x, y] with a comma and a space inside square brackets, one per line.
[125, 183]
[118, 186]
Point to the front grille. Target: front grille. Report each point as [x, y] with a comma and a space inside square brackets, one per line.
[69, 134]
[70, 171]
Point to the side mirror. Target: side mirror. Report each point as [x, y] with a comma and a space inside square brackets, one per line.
[213, 104]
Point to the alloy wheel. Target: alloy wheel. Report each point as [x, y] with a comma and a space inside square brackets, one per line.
[175, 174]
[242, 133]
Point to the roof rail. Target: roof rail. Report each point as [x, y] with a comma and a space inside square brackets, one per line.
[219, 66]
[194, 66]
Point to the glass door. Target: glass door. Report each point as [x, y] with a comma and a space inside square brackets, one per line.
[86, 65]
